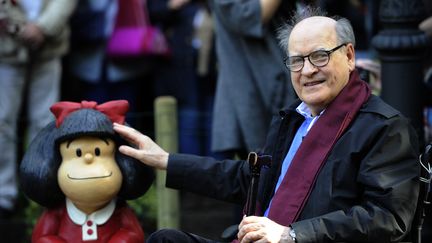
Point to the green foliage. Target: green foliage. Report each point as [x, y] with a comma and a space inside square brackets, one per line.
[145, 208]
[31, 215]
[146, 205]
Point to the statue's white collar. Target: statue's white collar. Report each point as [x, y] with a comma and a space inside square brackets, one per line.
[99, 217]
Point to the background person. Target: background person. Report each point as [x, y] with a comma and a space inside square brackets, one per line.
[33, 39]
[252, 82]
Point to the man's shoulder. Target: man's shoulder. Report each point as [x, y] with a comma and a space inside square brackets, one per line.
[373, 105]
[376, 105]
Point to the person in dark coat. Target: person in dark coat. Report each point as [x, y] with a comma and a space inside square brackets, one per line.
[177, 76]
[252, 82]
[344, 163]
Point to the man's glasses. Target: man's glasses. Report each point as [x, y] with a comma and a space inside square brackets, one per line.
[318, 58]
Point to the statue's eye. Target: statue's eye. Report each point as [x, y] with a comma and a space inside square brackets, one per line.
[78, 152]
[97, 151]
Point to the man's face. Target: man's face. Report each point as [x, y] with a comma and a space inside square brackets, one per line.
[89, 174]
[318, 86]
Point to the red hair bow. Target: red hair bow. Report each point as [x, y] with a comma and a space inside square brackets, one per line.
[115, 110]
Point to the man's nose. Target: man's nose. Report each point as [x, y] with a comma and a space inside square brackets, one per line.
[308, 67]
[88, 158]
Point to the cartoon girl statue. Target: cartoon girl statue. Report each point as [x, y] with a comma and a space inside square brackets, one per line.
[74, 169]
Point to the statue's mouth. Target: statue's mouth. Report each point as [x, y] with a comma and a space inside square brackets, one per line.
[89, 178]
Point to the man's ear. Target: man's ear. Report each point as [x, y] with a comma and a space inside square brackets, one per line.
[350, 53]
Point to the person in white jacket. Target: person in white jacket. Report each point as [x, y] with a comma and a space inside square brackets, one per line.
[33, 37]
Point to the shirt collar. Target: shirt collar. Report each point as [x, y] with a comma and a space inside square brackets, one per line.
[304, 110]
[99, 217]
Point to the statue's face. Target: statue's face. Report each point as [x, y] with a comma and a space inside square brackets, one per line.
[89, 175]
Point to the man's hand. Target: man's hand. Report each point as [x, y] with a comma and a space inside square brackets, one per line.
[262, 230]
[147, 151]
[177, 4]
[32, 35]
[426, 26]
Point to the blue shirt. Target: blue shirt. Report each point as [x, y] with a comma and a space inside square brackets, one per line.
[309, 121]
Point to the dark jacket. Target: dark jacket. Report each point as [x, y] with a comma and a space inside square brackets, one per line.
[366, 191]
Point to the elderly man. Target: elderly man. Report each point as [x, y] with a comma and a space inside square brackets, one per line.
[344, 162]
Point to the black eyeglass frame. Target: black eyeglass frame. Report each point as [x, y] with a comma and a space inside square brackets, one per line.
[327, 52]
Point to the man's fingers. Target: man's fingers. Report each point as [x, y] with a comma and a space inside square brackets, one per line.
[128, 133]
[147, 151]
[252, 236]
[247, 228]
[248, 219]
[129, 151]
[243, 227]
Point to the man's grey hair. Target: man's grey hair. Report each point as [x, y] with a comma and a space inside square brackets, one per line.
[344, 29]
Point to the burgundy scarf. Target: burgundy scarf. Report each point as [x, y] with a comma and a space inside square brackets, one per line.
[299, 180]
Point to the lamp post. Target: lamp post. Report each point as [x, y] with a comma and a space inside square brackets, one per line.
[401, 45]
